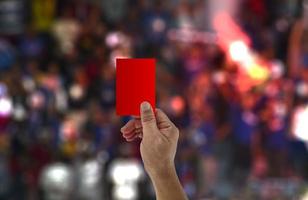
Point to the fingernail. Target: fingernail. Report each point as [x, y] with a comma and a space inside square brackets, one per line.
[145, 106]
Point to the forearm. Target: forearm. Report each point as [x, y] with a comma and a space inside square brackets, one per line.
[158, 149]
[167, 185]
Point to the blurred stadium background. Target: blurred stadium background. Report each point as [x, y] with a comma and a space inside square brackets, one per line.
[233, 76]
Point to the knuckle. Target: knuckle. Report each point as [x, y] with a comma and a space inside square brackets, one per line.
[165, 125]
[175, 129]
[158, 110]
[138, 125]
[147, 117]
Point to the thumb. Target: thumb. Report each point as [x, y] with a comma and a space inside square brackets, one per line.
[147, 117]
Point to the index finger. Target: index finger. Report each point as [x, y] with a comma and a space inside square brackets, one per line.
[136, 117]
[161, 117]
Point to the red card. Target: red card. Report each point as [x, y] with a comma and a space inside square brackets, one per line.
[135, 83]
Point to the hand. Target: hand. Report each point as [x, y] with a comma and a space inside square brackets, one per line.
[159, 139]
[158, 147]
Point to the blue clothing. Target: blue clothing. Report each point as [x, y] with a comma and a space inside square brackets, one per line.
[242, 129]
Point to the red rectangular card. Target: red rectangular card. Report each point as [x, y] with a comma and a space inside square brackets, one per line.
[135, 83]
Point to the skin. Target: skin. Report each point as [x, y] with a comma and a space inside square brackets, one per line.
[158, 148]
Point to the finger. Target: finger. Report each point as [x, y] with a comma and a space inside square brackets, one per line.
[163, 120]
[148, 120]
[136, 117]
[129, 126]
[131, 137]
[165, 125]
[127, 134]
[138, 123]
[135, 135]
[130, 140]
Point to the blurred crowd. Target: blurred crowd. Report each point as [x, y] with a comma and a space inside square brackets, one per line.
[241, 136]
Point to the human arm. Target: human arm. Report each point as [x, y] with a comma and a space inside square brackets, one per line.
[158, 148]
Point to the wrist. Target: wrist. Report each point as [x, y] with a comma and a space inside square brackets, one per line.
[161, 172]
